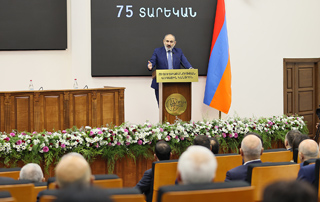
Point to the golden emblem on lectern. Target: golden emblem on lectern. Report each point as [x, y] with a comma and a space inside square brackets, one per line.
[176, 104]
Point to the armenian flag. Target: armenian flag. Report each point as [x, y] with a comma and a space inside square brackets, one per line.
[218, 84]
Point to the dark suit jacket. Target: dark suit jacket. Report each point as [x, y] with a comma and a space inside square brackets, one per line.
[239, 173]
[160, 61]
[307, 173]
[145, 184]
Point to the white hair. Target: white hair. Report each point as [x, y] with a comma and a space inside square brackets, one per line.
[197, 165]
[32, 172]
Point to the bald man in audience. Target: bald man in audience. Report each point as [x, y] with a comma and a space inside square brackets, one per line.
[73, 170]
[32, 172]
[196, 165]
[250, 151]
[308, 149]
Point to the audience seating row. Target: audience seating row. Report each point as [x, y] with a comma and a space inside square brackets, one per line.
[164, 173]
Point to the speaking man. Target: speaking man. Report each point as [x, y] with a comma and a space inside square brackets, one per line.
[167, 57]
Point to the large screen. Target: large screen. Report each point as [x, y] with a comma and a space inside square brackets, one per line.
[124, 33]
[33, 24]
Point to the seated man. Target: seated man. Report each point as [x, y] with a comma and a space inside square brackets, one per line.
[31, 171]
[250, 151]
[308, 149]
[72, 171]
[288, 141]
[196, 165]
[162, 152]
[202, 140]
[214, 145]
[290, 191]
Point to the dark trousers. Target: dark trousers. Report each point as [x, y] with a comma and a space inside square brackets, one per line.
[156, 91]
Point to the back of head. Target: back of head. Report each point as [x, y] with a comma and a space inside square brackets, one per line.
[214, 144]
[255, 134]
[197, 165]
[31, 171]
[251, 147]
[293, 191]
[73, 170]
[291, 135]
[308, 149]
[297, 140]
[163, 150]
[202, 140]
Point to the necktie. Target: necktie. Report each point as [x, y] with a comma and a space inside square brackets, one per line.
[170, 65]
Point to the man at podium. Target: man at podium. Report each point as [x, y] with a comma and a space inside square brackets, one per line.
[167, 57]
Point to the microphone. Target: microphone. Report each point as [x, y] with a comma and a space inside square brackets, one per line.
[86, 87]
[41, 88]
[180, 61]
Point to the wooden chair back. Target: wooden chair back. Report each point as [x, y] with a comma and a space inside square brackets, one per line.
[9, 199]
[104, 182]
[263, 174]
[239, 191]
[164, 173]
[12, 174]
[38, 189]
[128, 198]
[276, 156]
[47, 198]
[21, 192]
[225, 163]
[109, 183]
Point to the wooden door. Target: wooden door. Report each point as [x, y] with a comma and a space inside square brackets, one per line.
[301, 89]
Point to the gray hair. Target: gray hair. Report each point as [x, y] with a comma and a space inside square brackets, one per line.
[197, 165]
[32, 172]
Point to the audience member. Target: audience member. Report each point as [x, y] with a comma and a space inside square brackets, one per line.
[255, 134]
[290, 191]
[308, 149]
[83, 195]
[196, 165]
[202, 140]
[250, 151]
[32, 172]
[73, 170]
[297, 140]
[162, 152]
[288, 141]
[214, 145]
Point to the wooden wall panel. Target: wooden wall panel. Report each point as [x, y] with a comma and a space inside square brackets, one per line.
[289, 103]
[80, 108]
[58, 110]
[52, 112]
[302, 96]
[107, 104]
[22, 116]
[2, 104]
[305, 101]
[305, 77]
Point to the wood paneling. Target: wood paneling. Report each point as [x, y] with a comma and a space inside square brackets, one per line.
[301, 89]
[61, 109]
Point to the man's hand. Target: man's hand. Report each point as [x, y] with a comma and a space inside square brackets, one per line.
[317, 125]
[149, 65]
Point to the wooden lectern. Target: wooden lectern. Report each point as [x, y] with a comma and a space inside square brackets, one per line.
[175, 93]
